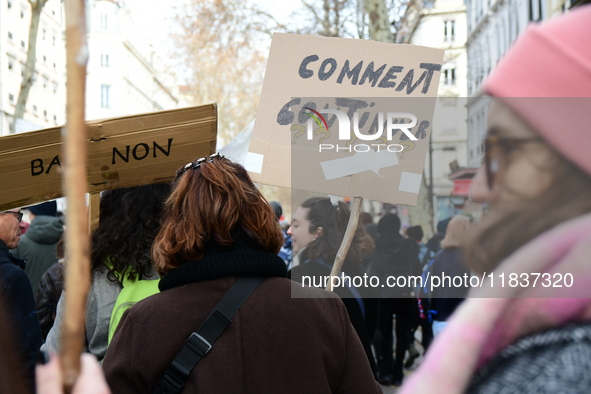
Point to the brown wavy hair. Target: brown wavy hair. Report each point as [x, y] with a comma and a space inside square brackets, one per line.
[207, 204]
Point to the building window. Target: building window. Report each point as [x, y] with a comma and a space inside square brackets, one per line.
[105, 96]
[55, 87]
[10, 63]
[45, 114]
[9, 35]
[34, 108]
[44, 58]
[53, 37]
[104, 21]
[11, 97]
[104, 60]
[9, 4]
[535, 10]
[449, 30]
[55, 119]
[449, 76]
[45, 81]
[54, 65]
[23, 10]
[23, 44]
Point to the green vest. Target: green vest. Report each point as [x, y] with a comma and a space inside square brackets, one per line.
[132, 292]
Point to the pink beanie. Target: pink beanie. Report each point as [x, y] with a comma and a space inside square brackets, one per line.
[546, 79]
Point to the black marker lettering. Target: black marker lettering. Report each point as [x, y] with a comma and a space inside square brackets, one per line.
[124, 158]
[353, 74]
[304, 72]
[385, 82]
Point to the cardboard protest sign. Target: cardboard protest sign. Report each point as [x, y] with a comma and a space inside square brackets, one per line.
[345, 117]
[122, 152]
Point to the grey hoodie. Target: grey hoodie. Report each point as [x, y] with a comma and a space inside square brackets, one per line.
[38, 247]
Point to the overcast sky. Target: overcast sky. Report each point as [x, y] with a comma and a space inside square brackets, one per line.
[153, 17]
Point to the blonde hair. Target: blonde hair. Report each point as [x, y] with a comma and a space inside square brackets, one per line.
[457, 232]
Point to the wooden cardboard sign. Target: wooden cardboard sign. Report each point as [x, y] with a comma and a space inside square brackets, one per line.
[307, 77]
[122, 152]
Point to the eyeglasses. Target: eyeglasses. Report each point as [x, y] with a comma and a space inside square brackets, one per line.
[18, 215]
[195, 164]
[494, 146]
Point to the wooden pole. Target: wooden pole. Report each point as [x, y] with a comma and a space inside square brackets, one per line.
[75, 187]
[347, 239]
[94, 210]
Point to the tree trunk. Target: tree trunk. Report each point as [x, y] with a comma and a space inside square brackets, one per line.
[379, 23]
[27, 82]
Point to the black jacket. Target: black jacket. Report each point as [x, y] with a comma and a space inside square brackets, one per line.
[17, 294]
[48, 295]
[445, 299]
[395, 256]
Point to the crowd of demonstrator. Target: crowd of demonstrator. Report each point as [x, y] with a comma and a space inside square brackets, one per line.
[193, 288]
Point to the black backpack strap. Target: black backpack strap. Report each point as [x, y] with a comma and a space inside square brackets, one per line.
[199, 343]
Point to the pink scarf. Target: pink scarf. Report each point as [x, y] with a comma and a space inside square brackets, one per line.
[494, 317]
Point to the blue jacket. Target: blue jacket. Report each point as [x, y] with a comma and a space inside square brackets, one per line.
[17, 295]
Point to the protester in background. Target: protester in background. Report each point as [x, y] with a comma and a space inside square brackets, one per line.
[394, 256]
[434, 243]
[218, 228]
[527, 336]
[371, 228]
[38, 245]
[17, 294]
[415, 233]
[285, 252]
[319, 227]
[129, 221]
[450, 261]
[50, 290]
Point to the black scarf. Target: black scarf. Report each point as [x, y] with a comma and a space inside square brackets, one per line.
[243, 258]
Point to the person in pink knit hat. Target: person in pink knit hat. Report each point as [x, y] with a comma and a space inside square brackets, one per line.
[528, 330]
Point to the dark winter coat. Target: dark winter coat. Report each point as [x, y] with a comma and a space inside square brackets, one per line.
[445, 299]
[395, 256]
[38, 246]
[48, 296]
[554, 361]
[16, 293]
[363, 317]
[276, 343]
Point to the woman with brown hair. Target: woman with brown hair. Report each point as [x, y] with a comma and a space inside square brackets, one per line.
[527, 329]
[317, 231]
[218, 229]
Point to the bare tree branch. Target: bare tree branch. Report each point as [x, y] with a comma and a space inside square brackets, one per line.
[27, 82]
